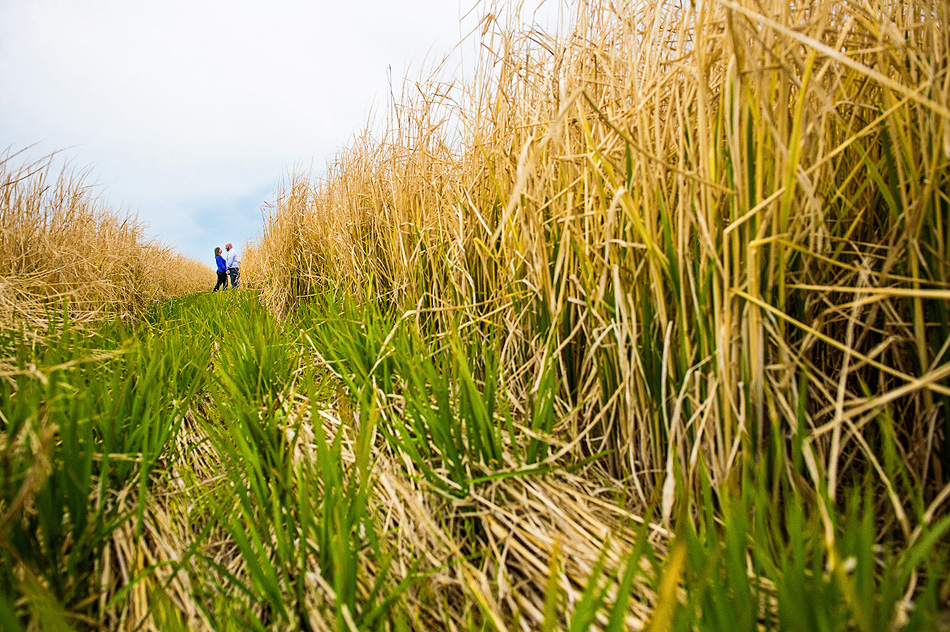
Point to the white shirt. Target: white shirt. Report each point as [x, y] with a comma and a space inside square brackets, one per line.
[232, 259]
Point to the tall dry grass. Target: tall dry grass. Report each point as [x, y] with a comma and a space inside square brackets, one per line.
[60, 245]
[723, 222]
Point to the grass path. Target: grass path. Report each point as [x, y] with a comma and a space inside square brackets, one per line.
[209, 467]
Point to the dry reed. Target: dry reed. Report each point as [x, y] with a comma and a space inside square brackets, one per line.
[60, 246]
[725, 221]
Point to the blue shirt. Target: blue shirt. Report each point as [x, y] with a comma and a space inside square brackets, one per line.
[221, 266]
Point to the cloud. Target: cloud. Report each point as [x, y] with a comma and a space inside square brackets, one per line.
[184, 106]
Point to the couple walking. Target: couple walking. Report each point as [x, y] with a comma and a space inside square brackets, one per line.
[230, 263]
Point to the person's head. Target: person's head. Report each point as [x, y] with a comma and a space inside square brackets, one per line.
[217, 251]
[228, 246]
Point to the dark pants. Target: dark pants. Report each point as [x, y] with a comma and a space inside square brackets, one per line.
[235, 276]
[222, 281]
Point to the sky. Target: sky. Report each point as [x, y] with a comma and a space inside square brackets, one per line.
[187, 113]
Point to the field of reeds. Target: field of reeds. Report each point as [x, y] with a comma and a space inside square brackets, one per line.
[694, 253]
[60, 245]
[642, 326]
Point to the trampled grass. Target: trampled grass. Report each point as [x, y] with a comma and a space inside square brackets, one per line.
[210, 467]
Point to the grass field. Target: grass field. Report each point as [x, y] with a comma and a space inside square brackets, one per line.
[210, 467]
[643, 327]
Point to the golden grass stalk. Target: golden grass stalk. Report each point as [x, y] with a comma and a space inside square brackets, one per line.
[727, 220]
[60, 245]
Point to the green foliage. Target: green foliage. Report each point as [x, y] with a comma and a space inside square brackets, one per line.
[299, 517]
[84, 416]
[90, 419]
[777, 562]
[454, 421]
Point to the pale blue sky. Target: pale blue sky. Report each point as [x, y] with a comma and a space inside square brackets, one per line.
[188, 112]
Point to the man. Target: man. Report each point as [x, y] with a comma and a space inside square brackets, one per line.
[233, 261]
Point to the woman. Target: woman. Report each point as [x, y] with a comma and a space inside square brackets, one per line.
[222, 270]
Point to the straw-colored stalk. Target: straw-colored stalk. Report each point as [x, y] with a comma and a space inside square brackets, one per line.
[60, 245]
[725, 221]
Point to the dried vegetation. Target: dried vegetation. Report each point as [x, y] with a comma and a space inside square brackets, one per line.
[716, 222]
[712, 234]
[60, 245]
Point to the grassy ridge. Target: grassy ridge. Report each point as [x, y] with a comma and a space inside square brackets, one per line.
[212, 468]
[86, 422]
